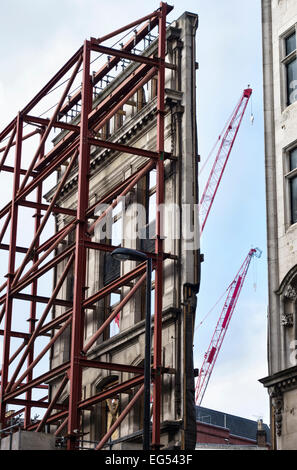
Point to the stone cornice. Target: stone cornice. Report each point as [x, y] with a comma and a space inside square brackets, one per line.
[130, 335]
[283, 380]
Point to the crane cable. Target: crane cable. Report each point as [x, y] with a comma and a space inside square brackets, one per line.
[214, 306]
[217, 141]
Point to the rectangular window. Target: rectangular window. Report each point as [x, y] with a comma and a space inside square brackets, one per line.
[292, 183]
[291, 81]
[293, 159]
[290, 43]
[148, 232]
[293, 190]
[114, 328]
[290, 64]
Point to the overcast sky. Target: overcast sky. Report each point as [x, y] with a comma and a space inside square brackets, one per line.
[37, 37]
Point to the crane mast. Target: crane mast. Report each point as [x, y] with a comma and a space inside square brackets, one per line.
[222, 157]
[222, 325]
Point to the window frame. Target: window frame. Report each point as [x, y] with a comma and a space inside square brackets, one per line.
[286, 59]
[289, 175]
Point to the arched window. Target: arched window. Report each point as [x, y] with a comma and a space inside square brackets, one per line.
[107, 411]
[288, 318]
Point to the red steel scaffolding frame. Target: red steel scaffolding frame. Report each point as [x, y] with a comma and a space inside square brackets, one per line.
[74, 149]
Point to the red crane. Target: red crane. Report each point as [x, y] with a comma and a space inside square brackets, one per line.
[222, 325]
[214, 179]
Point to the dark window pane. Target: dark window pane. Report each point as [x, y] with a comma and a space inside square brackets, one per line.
[293, 159]
[293, 184]
[290, 43]
[112, 269]
[292, 82]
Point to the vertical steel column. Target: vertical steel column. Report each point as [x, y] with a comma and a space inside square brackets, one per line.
[11, 265]
[159, 243]
[32, 319]
[77, 335]
[147, 359]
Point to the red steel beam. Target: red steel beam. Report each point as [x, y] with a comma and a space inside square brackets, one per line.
[50, 326]
[43, 300]
[43, 92]
[53, 373]
[17, 352]
[44, 207]
[128, 26]
[99, 113]
[113, 286]
[44, 221]
[18, 249]
[114, 61]
[41, 321]
[7, 148]
[11, 269]
[51, 123]
[88, 363]
[40, 169]
[41, 387]
[124, 387]
[5, 225]
[53, 404]
[44, 246]
[52, 419]
[42, 175]
[19, 412]
[123, 148]
[120, 418]
[24, 280]
[13, 386]
[33, 403]
[127, 189]
[10, 169]
[107, 198]
[40, 272]
[121, 95]
[61, 427]
[77, 335]
[33, 304]
[56, 124]
[109, 248]
[25, 137]
[125, 55]
[152, 61]
[114, 314]
[16, 334]
[157, 355]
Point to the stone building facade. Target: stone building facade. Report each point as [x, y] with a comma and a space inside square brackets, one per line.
[279, 21]
[135, 125]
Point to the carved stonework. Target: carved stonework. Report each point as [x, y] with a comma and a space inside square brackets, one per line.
[277, 403]
[287, 319]
[290, 293]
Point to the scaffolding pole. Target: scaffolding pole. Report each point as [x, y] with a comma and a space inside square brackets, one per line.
[28, 180]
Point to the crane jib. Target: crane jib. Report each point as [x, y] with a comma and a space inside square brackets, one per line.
[230, 308]
[211, 355]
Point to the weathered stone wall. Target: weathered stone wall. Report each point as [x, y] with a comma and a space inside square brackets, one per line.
[107, 170]
[279, 19]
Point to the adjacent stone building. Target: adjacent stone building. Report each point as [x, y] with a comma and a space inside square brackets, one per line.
[135, 124]
[280, 115]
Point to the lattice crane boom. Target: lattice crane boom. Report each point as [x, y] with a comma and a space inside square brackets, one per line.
[222, 325]
[214, 179]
